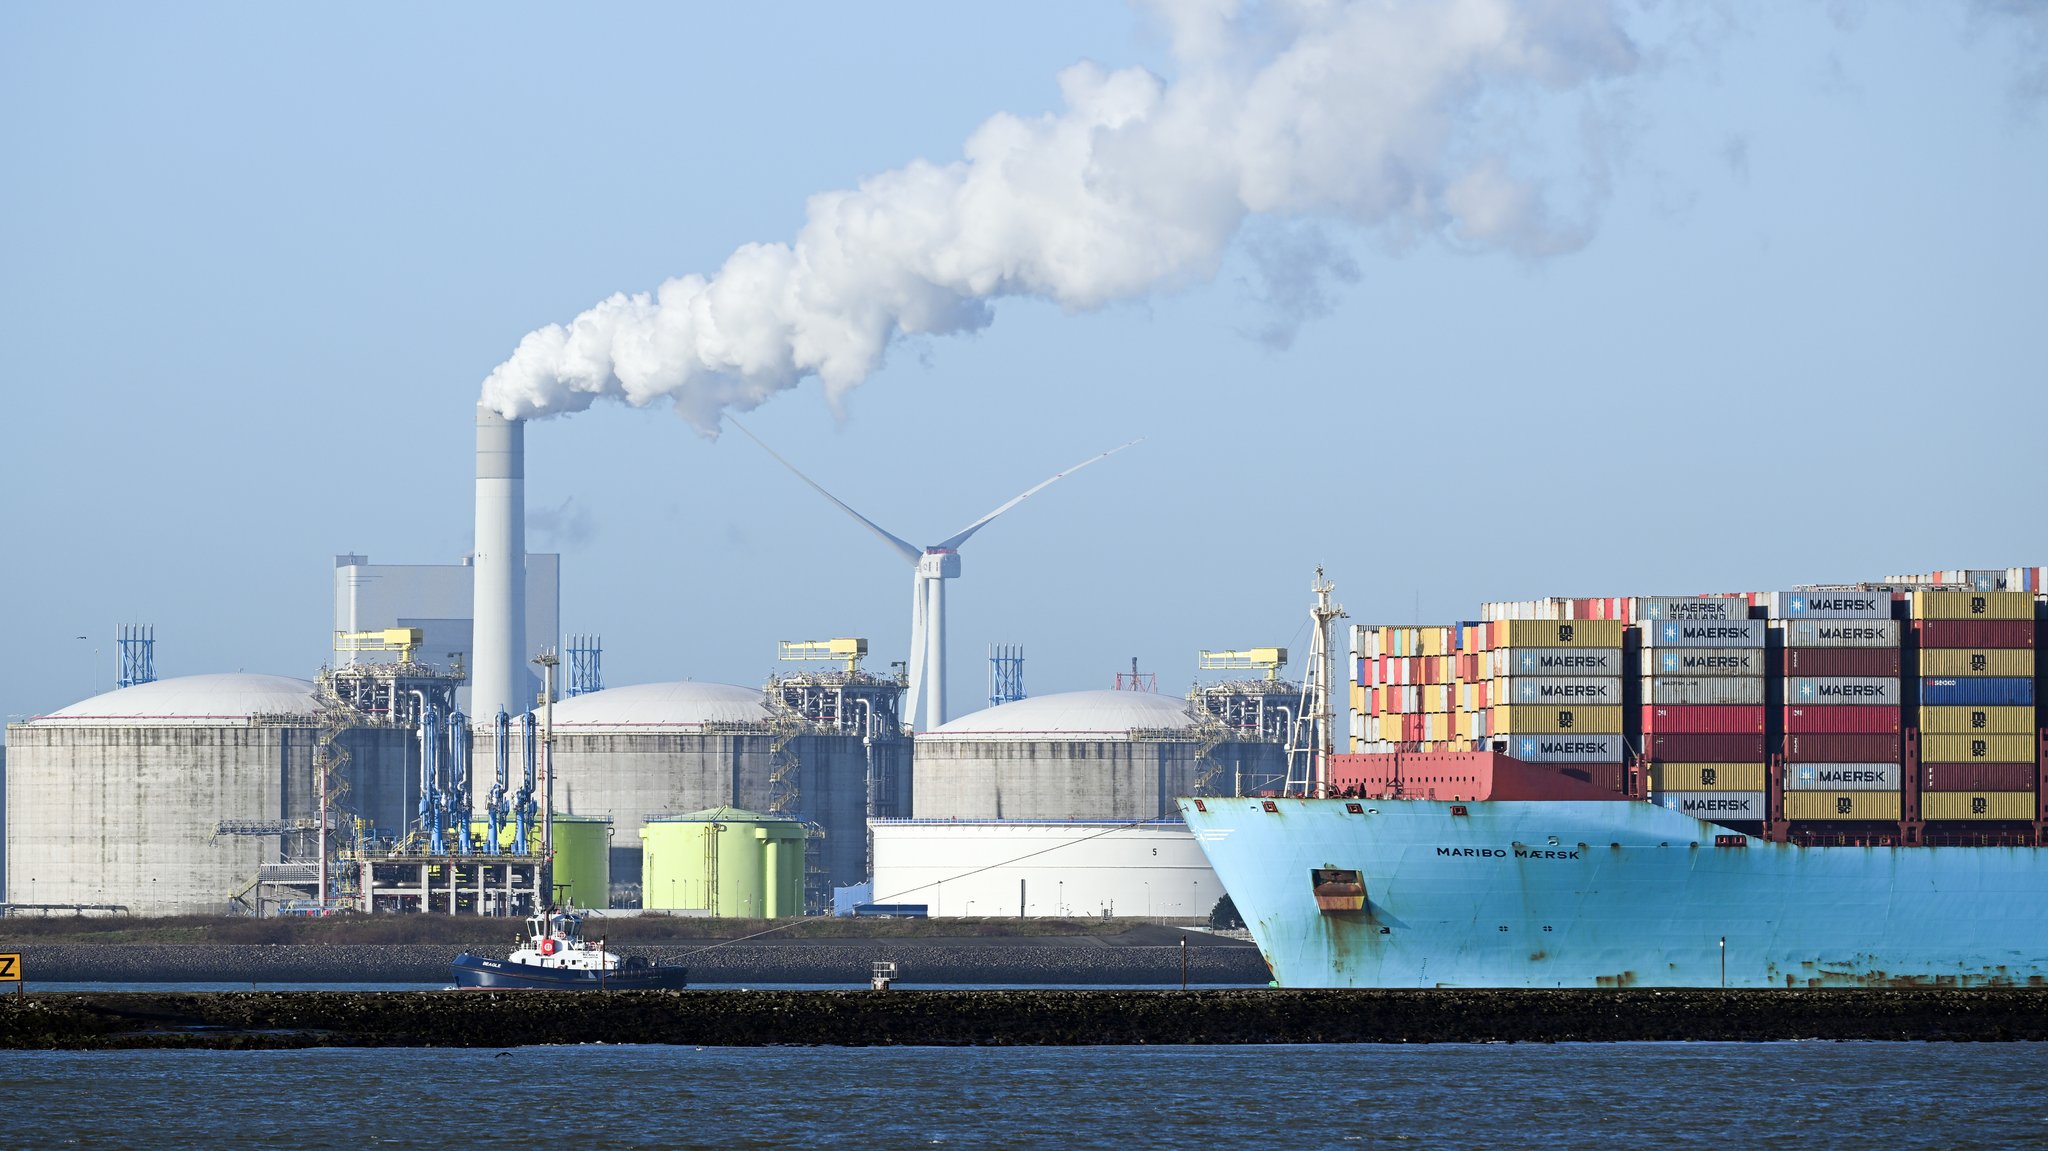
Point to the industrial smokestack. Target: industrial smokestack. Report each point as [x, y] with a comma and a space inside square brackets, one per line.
[497, 674]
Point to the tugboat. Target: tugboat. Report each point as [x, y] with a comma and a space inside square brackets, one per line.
[556, 957]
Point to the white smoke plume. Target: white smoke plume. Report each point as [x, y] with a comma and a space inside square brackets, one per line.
[1403, 116]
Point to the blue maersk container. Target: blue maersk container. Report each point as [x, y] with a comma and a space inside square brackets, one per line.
[1976, 691]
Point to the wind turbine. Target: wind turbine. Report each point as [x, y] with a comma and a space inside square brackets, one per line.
[934, 566]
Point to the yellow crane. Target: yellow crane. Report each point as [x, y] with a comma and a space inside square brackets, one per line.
[1267, 659]
[850, 651]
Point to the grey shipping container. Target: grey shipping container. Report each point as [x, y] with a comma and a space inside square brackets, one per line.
[1558, 689]
[1842, 777]
[1842, 689]
[1842, 633]
[1680, 689]
[1715, 806]
[1579, 661]
[1831, 605]
[1649, 609]
[1705, 633]
[1698, 662]
[1565, 748]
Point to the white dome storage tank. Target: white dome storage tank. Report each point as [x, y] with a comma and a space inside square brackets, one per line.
[117, 800]
[1113, 755]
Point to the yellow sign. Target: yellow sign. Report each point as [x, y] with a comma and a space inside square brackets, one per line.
[10, 969]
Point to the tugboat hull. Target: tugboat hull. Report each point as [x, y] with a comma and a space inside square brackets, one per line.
[476, 971]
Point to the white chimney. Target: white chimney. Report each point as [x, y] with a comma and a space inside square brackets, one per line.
[497, 674]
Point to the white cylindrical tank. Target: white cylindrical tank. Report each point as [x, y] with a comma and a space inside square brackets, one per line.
[1035, 868]
[497, 675]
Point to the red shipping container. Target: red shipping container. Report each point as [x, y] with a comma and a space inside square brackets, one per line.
[1841, 717]
[1974, 632]
[1718, 748]
[1835, 747]
[1874, 662]
[1703, 719]
[1978, 776]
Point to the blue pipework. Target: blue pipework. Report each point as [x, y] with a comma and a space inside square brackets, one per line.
[494, 806]
[430, 778]
[459, 795]
[524, 808]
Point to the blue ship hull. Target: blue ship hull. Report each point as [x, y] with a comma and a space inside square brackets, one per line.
[502, 975]
[1566, 893]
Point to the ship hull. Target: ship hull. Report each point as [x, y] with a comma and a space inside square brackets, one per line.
[475, 971]
[1588, 893]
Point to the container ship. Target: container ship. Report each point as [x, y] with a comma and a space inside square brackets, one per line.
[1830, 786]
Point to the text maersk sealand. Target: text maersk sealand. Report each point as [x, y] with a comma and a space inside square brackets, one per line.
[1608, 893]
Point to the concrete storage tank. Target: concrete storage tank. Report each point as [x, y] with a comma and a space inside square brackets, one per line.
[663, 748]
[725, 862]
[118, 800]
[1109, 755]
[583, 860]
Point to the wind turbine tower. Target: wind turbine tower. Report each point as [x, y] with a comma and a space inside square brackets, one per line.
[933, 566]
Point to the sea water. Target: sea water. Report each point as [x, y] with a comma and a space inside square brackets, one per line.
[1708, 1095]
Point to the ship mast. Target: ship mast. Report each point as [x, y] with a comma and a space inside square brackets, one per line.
[1308, 752]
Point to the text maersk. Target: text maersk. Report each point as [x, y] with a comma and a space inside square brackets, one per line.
[1503, 853]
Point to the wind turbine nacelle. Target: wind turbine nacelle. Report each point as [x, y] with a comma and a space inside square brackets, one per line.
[937, 564]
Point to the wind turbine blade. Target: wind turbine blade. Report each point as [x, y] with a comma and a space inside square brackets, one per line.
[960, 537]
[910, 551]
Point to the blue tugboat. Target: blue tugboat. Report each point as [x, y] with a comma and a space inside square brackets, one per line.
[557, 958]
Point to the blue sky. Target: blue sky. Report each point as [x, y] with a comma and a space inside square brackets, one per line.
[256, 263]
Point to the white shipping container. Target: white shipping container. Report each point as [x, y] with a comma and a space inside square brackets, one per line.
[1715, 806]
[1566, 748]
[1842, 777]
[1708, 633]
[1576, 661]
[1842, 689]
[1705, 662]
[1558, 689]
[1715, 689]
[1831, 605]
[1842, 633]
[1659, 608]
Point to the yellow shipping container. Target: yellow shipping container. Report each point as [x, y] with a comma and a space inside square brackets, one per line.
[1534, 719]
[1966, 720]
[2010, 662]
[1841, 805]
[1437, 697]
[1977, 749]
[1973, 605]
[2015, 805]
[1358, 698]
[1556, 633]
[1707, 776]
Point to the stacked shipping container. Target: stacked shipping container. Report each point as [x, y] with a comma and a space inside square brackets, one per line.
[1557, 689]
[1978, 752]
[1843, 705]
[1703, 705]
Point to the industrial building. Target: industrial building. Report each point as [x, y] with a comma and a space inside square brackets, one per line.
[796, 751]
[984, 867]
[1084, 755]
[438, 601]
[187, 795]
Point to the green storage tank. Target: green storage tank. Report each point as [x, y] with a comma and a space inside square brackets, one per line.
[583, 860]
[583, 855]
[723, 861]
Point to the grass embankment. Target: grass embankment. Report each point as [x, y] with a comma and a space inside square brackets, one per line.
[463, 930]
